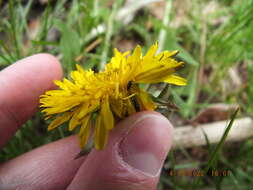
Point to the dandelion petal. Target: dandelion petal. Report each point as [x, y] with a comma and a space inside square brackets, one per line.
[174, 79]
[101, 134]
[84, 132]
[59, 120]
[106, 114]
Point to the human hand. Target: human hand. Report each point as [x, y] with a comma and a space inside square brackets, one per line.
[132, 159]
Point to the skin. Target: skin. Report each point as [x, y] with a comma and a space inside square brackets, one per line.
[132, 159]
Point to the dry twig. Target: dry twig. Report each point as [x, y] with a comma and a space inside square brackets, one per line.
[189, 136]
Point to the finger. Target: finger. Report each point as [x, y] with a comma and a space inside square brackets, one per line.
[133, 158]
[50, 167]
[21, 84]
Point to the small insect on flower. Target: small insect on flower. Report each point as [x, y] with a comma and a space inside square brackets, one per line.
[92, 101]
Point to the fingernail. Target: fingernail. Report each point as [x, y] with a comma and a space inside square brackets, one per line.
[147, 144]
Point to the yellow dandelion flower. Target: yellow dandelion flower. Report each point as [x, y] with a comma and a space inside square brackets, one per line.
[92, 101]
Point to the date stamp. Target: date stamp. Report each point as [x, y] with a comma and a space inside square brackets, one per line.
[198, 173]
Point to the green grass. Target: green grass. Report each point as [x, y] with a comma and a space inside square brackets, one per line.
[218, 41]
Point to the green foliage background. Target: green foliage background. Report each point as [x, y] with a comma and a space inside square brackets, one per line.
[210, 39]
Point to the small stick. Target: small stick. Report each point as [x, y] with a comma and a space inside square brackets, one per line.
[189, 136]
[88, 49]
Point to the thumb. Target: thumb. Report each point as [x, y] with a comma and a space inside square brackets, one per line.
[133, 157]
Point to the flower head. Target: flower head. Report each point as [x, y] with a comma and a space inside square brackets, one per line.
[93, 100]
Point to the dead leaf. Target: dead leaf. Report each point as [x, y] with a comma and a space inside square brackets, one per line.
[212, 113]
[157, 9]
[125, 44]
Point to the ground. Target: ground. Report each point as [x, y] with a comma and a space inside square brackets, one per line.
[214, 39]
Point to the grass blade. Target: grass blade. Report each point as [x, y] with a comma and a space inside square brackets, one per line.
[218, 147]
